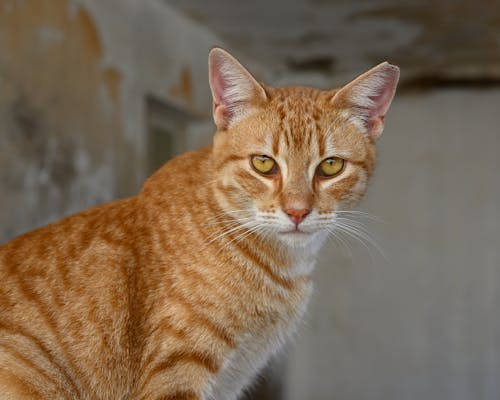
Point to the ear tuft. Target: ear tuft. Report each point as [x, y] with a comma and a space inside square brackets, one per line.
[235, 91]
[369, 96]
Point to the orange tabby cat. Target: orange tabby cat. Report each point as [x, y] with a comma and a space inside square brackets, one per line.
[186, 290]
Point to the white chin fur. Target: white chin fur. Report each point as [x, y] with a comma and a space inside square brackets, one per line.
[303, 239]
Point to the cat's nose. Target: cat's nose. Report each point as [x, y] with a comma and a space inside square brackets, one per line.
[297, 215]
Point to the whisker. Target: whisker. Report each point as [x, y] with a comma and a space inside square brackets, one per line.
[229, 213]
[361, 214]
[350, 233]
[337, 239]
[229, 231]
[353, 223]
[229, 221]
[241, 236]
[360, 233]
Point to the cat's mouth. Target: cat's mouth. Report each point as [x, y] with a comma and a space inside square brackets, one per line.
[295, 231]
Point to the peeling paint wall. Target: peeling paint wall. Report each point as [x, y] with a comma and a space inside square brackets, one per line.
[74, 78]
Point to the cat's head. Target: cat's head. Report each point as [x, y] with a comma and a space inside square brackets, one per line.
[288, 159]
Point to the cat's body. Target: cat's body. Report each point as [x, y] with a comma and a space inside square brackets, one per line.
[186, 290]
[133, 280]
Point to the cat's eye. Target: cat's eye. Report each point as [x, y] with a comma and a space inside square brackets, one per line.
[264, 164]
[330, 167]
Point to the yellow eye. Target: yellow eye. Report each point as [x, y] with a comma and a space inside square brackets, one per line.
[264, 164]
[331, 167]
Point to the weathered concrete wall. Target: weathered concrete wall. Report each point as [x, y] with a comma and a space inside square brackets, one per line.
[74, 78]
[320, 42]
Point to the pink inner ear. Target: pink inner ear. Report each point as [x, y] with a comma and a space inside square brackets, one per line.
[218, 84]
[221, 111]
[378, 91]
[376, 110]
[381, 101]
[234, 90]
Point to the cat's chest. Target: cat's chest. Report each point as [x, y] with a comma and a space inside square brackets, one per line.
[270, 333]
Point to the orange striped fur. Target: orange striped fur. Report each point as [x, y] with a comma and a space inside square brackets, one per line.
[187, 289]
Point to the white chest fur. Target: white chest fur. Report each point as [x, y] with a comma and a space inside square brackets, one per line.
[255, 350]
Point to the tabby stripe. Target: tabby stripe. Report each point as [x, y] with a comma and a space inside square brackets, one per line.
[249, 277]
[62, 269]
[361, 164]
[286, 283]
[213, 207]
[165, 327]
[93, 318]
[246, 274]
[29, 363]
[213, 327]
[135, 328]
[281, 116]
[321, 145]
[42, 250]
[31, 294]
[276, 144]
[113, 240]
[198, 279]
[226, 189]
[287, 135]
[229, 159]
[340, 187]
[44, 350]
[195, 357]
[312, 132]
[16, 381]
[307, 139]
[317, 118]
[180, 395]
[47, 249]
[221, 288]
[317, 126]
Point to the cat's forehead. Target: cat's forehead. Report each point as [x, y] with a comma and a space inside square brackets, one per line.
[303, 120]
[299, 99]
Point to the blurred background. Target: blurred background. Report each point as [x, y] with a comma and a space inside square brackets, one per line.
[95, 95]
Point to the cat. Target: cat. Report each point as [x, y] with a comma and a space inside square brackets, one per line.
[186, 290]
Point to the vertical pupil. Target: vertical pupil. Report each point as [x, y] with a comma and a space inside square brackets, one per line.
[331, 166]
[264, 164]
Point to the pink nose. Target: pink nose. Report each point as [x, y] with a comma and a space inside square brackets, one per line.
[297, 215]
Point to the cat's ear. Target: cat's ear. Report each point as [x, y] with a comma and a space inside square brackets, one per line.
[368, 97]
[235, 91]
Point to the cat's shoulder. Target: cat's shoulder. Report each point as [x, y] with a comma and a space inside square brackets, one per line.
[181, 173]
[84, 224]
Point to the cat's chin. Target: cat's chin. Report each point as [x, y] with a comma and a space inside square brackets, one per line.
[301, 239]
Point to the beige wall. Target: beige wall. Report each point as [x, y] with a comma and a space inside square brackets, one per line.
[423, 322]
[74, 79]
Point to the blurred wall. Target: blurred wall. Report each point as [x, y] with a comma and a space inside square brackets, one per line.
[82, 82]
[75, 79]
